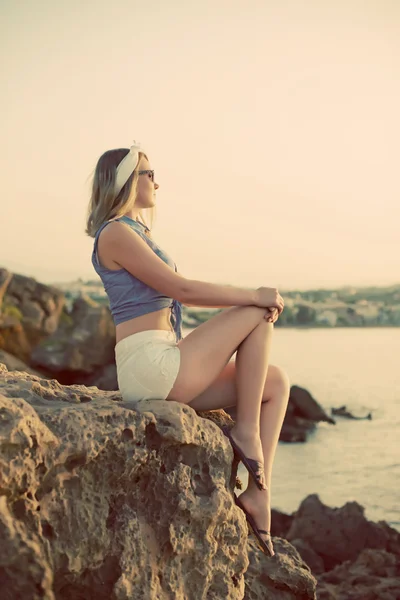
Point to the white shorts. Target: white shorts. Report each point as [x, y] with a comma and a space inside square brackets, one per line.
[147, 364]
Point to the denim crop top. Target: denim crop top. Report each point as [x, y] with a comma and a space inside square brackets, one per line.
[129, 297]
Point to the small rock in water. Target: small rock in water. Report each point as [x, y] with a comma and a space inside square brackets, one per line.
[342, 411]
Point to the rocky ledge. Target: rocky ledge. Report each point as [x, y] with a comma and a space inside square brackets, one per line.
[110, 501]
[102, 499]
[352, 558]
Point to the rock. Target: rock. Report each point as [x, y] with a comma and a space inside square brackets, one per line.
[15, 364]
[309, 556]
[35, 308]
[280, 523]
[340, 534]
[107, 379]
[302, 414]
[13, 338]
[81, 348]
[295, 428]
[282, 579]
[324, 536]
[107, 499]
[342, 411]
[307, 407]
[375, 575]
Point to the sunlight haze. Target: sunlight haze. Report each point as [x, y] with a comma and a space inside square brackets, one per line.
[273, 129]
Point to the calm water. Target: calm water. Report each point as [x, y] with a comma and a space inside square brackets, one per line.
[352, 460]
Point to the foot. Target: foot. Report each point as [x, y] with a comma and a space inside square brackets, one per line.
[251, 446]
[257, 503]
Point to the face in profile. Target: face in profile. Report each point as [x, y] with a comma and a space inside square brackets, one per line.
[146, 187]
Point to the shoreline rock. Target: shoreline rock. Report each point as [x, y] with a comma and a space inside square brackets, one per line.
[103, 498]
[302, 415]
[350, 556]
[29, 312]
[341, 411]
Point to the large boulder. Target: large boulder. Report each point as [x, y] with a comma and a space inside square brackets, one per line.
[350, 556]
[302, 414]
[340, 534]
[107, 499]
[15, 364]
[13, 337]
[309, 556]
[306, 407]
[29, 312]
[82, 347]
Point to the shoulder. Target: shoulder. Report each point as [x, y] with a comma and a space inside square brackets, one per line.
[117, 230]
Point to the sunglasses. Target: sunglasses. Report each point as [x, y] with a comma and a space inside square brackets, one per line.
[150, 172]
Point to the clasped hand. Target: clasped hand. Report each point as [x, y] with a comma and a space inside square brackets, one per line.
[272, 316]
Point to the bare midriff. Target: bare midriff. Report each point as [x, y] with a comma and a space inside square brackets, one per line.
[159, 319]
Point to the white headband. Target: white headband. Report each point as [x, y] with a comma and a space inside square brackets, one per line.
[127, 166]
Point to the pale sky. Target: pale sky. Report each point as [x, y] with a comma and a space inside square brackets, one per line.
[273, 129]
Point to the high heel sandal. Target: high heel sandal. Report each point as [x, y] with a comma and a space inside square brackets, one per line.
[265, 545]
[254, 467]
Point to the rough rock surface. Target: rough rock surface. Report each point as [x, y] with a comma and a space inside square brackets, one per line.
[15, 364]
[13, 338]
[80, 349]
[39, 307]
[366, 555]
[375, 575]
[340, 534]
[105, 500]
[267, 580]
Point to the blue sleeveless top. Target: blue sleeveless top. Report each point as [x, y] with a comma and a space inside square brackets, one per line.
[129, 297]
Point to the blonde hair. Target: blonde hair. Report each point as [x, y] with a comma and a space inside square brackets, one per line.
[103, 204]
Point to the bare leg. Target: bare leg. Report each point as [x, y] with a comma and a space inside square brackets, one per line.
[258, 502]
[262, 392]
[251, 371]
[272, 415]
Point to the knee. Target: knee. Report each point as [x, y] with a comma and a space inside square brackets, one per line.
[281, 381]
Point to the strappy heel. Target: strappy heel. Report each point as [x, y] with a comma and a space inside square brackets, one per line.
[254, 467]
[265, 545]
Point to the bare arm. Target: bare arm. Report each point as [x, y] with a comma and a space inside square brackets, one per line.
[212, 295]
[132, 253]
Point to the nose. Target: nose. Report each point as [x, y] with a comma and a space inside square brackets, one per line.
[156, 186]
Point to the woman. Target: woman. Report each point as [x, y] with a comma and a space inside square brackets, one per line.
[146, 294]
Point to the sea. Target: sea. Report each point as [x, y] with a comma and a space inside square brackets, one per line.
[354, 460]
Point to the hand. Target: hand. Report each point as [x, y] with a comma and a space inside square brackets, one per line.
[270, 298]
[272, 316]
